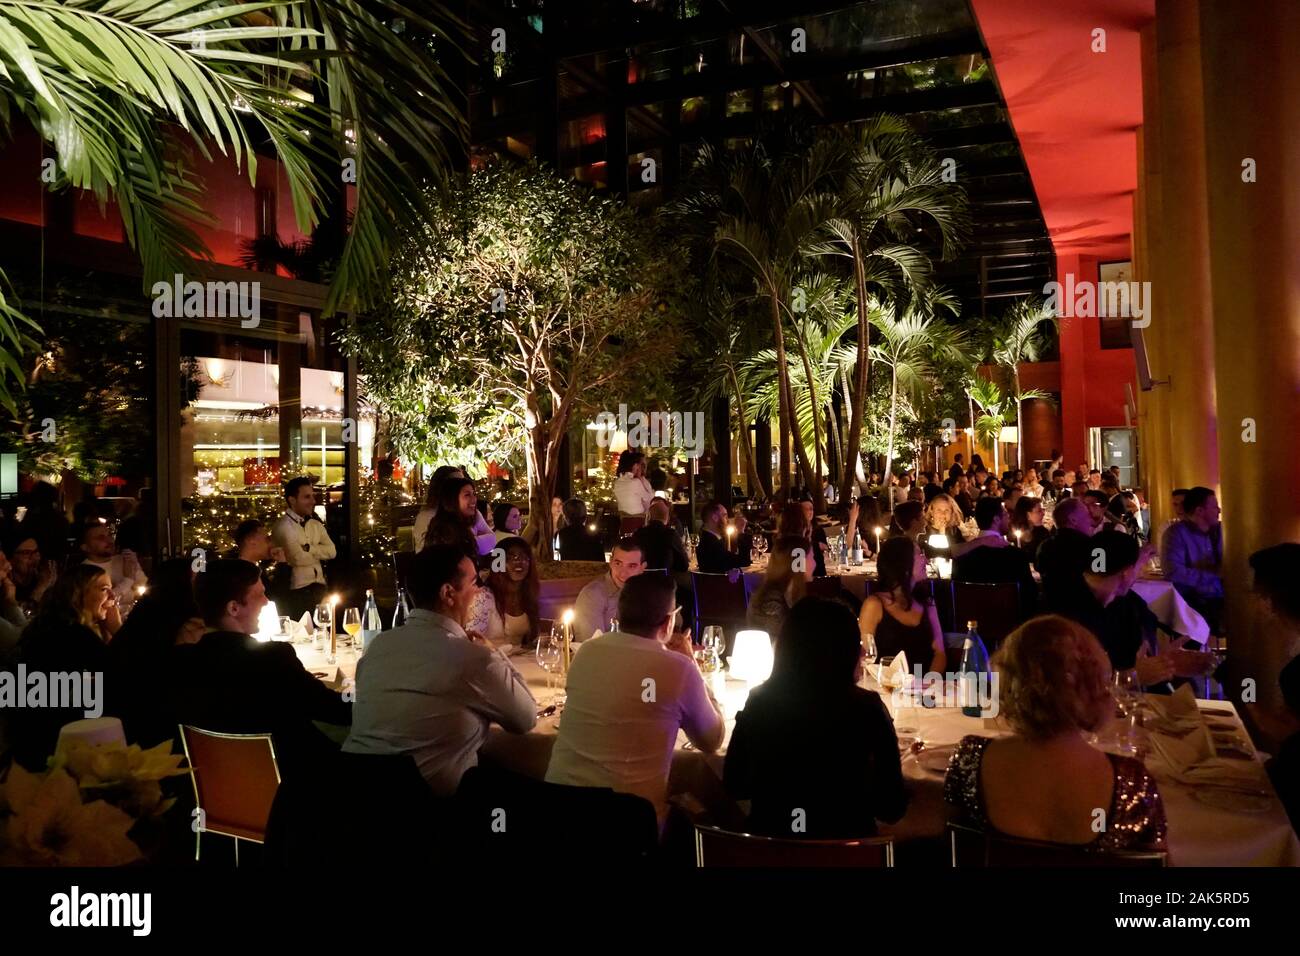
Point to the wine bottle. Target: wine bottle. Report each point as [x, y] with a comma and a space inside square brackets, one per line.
[857, 546]
[403, 609]
[371, 625]
[974, 663]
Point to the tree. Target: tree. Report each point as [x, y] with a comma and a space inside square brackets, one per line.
[893, 204]
[907, 347]
[758, 210]
[123, 92]
[528, 297]
[1021, 335]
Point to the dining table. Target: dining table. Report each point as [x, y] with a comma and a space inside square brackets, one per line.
[1229, 815]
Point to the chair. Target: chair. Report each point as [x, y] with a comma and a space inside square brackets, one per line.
[235, 777]
[628, 524]
[977, 848]
[718, 848]
[376, 805]
[720, 601]
[506, 817]
[828, 587]
[995, 606]
[941, 591]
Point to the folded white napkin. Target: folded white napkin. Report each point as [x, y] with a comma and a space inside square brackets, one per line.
[1174, 712]
[306, 623]
[895, 673]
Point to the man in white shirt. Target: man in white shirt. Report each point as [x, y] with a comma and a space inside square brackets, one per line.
[631, 489]
[430, 690]
[98, 547]
[597, 603]
[629, 693]
[306, 543]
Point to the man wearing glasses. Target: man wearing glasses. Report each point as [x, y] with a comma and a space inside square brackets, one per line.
[629, 693]
[99, 547]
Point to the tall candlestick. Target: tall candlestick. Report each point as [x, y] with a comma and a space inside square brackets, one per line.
[334, 600]
[879, 532]
[1018, 534]
[731, 531]
[567, 620]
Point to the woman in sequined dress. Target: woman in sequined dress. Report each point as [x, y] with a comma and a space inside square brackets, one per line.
[1046, 782]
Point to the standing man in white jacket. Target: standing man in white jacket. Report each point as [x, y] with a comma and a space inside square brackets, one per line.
[306, 544]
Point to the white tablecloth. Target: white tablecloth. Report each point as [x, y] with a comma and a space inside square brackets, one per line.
[1199, 835]
[1168, 605]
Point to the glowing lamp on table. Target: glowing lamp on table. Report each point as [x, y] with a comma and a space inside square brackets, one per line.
[751, 657]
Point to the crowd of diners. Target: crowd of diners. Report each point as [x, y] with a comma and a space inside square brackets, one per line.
[177, 647]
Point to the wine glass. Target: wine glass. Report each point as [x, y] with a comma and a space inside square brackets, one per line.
[550, 650]
[323, 617]
[352, 624]
[715, 643]
[760, 545]
[1127, 691]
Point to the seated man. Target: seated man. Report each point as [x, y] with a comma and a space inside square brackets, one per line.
[429, 690]
[1193, 554]
[1102, 600]
[659, 543]
[230, 682]
[99, 548]
[597, 603]
[988, 558]
[629, 693]
[577, 542]
[713, 555]
[1062, 558]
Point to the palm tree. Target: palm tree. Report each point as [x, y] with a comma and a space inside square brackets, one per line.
[987, 397]
[908, 346]
[893, 200]
[757, 210]
[115, 89]
[1021, 335]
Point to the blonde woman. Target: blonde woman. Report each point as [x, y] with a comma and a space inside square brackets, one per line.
[1045, 781]
[942, 516]
[789, 570]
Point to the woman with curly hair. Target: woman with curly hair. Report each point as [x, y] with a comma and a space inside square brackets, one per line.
[1045, 781]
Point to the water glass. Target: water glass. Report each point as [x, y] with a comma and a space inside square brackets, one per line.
[323, 617]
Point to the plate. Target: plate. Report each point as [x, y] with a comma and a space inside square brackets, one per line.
[936, 760]
[1234, 800]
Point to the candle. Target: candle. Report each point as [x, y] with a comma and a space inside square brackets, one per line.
[567, 620]
[879, 532]
[1018, 534]
[731, 530]
[334, 600]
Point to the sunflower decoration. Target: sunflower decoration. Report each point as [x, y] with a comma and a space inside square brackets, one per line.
[43, 822]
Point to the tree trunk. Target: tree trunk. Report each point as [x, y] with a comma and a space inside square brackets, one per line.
[788, 418]
[542, 453]
[889, 454]
[819, 499]
[833, 428]
[751, 470]
[1020, 425]
[853, 445]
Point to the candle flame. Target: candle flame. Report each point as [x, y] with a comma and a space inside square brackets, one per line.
[334, 599]
[567, 617]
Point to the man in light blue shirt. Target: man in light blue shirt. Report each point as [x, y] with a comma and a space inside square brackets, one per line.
[429, 690]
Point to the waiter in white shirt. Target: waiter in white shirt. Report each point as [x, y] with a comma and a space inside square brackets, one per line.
[632, 491]
[306, 544]
[98, 547]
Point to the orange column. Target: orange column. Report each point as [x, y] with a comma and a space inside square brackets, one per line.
[1252, 112]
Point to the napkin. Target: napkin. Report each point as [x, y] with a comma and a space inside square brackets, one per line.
[1182, 754]
[1176, 713]
[305, 622]
[895, 673]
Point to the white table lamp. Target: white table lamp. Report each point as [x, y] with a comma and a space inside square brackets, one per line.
[751, 657]
[268, 623]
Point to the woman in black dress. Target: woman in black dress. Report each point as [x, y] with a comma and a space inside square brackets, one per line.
[814, 753]
[900, 616]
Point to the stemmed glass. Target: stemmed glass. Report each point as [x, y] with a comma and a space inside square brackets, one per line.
[352, 624]
[1127, 691]
[550, 651]
[759, 545]
[715, 643]
[322, 617]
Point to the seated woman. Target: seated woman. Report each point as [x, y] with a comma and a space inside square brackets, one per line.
[576, 541]
[942, 517]
[810, 739]
[1027, 518]
[506, 521]
[504, 610]
[900, 613]
[70, 634]
[458, 520]
[789, 570]
[425, 515]
[1046, 782]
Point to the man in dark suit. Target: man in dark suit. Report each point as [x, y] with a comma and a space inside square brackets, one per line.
[660, 545]
[577, 542]
[229, 682]
[713, 556]
[990, 559]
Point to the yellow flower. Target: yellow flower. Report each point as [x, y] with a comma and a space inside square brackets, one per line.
[98, 765]
[50, 826]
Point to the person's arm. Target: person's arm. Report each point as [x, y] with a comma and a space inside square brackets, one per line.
[701, 716]
[484, 536]
[285, 536]
[869, 618]
[587, 613]
[498, 692]
[323, 547]
[312, 698]
[939, 663]
[1178, 566]
[889, 796]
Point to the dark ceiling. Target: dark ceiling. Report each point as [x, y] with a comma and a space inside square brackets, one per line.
[596, 87]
